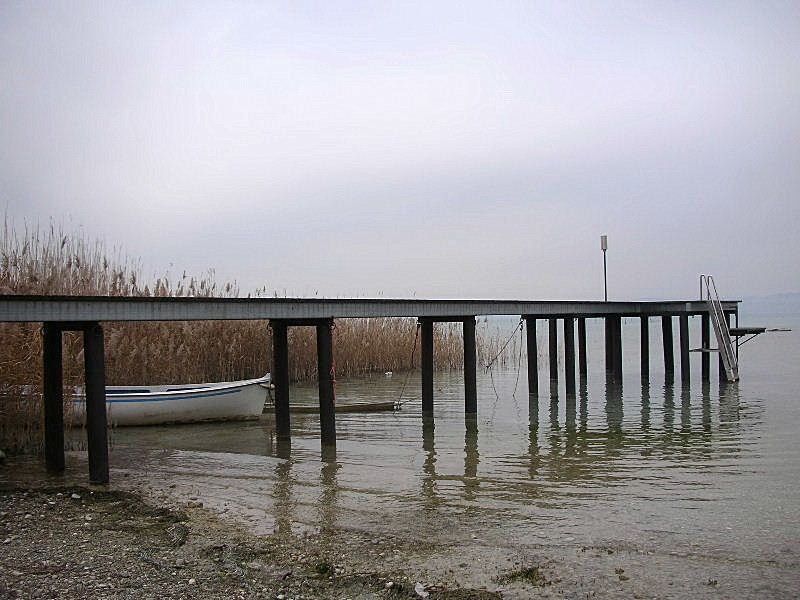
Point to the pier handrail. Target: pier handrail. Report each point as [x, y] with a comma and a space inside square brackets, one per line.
[721, 329]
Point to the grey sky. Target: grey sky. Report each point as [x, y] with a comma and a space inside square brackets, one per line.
[436, 149]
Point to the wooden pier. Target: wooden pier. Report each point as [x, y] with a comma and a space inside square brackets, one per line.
[86, 314]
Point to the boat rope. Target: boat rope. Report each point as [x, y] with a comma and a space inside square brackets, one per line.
[488, 365]
[400, 401]
[516, 381]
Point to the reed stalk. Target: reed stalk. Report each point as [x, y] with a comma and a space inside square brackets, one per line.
[53, 261]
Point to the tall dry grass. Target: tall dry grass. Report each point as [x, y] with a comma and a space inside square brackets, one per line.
[51, 260]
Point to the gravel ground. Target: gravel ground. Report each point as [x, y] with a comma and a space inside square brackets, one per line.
[74, 542]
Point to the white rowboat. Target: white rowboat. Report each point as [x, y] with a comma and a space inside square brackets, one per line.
[189, 403]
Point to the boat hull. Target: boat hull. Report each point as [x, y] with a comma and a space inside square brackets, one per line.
[228, 401]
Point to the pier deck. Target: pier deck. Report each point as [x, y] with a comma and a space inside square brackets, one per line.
[86, 313]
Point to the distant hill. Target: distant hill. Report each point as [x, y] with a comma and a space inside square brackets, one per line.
[775, 304]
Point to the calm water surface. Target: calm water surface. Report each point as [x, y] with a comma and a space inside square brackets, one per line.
[708, 470]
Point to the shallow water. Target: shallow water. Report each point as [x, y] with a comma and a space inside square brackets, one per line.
[706, 470]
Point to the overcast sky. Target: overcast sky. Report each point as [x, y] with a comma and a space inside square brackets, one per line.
[431, 149]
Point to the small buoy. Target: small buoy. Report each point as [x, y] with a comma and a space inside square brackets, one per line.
[388, 374]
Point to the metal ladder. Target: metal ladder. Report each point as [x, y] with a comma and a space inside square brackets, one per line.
[725, 345]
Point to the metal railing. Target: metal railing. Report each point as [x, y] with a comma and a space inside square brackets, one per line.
[725, 345]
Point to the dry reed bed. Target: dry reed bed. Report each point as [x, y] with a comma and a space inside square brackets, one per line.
[36, 260]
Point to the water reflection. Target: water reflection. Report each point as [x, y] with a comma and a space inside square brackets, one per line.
[284, 498]
[329, 490]
[669, 407]
[645, 412]
[471, 459]
[429, 486]
[590, 444]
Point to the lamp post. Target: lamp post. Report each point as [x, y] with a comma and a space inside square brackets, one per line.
[604, 247]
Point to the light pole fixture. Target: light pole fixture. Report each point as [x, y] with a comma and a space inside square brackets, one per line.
[604, 247]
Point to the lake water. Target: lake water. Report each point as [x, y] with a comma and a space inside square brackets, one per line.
[694, 488]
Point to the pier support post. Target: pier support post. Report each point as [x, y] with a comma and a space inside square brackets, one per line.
[53, 395]
[683, 324]
[669, 356]
[533, 355]
[280, 376]
[569, 355]
[705, 356]
[327, 408]
[613, 348]
[582, 347]
[426, 355]
[617, 320]
[96, 418]
[470, 368]
[644, 352]
[552, 340]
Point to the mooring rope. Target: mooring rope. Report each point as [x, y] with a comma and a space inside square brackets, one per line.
[508, 341]
[400, 401]
[519, 369]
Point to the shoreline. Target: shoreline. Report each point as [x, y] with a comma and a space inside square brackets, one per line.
[108, 543]
[156, 533]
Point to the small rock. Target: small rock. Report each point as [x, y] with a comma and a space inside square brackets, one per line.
[192, 581]
[420, 590]
[75, 496]
[389, 585]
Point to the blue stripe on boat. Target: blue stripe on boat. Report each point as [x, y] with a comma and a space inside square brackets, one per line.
[206, 395]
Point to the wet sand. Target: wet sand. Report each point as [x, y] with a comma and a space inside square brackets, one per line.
[155, 535]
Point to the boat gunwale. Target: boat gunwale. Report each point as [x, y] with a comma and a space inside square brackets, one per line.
[175, 394]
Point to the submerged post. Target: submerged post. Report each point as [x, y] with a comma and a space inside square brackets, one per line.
[553, 346]
[669, 357]
[644, 352]
[582, 347]
[569, 355]
[53, 395]
[683, 324]
[426, 356]
[533, 355]
[705, 357]
[470, 368]
[96, 421]
[327, 408]
[280, 376]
